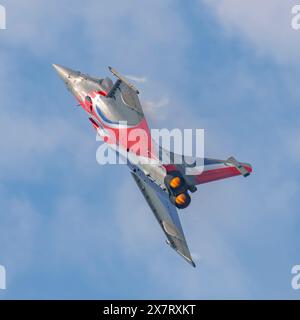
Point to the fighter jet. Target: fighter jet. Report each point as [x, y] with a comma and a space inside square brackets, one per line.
[165, 186]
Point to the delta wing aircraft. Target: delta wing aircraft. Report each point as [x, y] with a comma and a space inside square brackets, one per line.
[114, 107]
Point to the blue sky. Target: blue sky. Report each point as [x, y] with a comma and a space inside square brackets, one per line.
[70, 228]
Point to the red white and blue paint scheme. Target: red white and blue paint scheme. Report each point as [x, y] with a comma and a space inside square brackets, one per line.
[115, 112]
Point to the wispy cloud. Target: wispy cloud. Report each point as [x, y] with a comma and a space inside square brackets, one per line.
[157, 110]
[136, 79]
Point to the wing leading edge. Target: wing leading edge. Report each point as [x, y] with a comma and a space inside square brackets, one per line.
[166, 215]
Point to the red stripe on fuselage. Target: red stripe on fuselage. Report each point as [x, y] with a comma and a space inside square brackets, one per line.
[147, 151]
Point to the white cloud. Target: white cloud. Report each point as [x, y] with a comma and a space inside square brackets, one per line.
[136, 79]
[217, 218]
[142, 240]
[113, 33]
[156, 110]
[264, 24]
[37, 139]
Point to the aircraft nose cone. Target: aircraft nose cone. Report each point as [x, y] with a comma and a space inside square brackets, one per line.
[63, 72]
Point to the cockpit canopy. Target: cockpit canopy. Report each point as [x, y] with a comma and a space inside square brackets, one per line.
[107, 84]
[123, 105]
